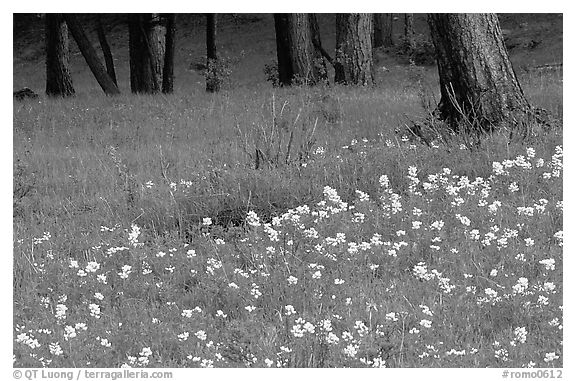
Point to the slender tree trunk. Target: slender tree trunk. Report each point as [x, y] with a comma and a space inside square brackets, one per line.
[354, 49]
[147, 47]
[477, 81]
[90, 55]
[212, 75]
[408, 32]
[378, 38]
[388, 30]
[317, 43]
[299, 58]
[168, 70]
[108, 59]
[383, 28]
[58, 79]
[211, 22]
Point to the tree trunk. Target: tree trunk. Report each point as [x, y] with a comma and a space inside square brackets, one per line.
[383, 28]
[212, 75]
[147, 37]
[211, 36]
[299, 56]
[105, 50]
[90, 55]
[168, 70]
[58, 79]
[309, 67]
[283, 51]
[477, 82]
[408, 33]
[140, 68]
[156, 35]
[354, 49]
[317, 43]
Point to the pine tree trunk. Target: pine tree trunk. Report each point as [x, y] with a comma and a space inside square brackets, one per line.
[354, 49]
[408, 33]
[211, 22]
[383, 28]
[477, 81]
[140, 68]
[147, 37]
[307, 58]
[90, 55]
[212, 77]
[168, 70]
[106, 51]
[156, 36]
[58, 79]
[299, 58]
[283, 51]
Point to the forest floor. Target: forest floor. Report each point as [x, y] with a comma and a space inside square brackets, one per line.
[145, 236]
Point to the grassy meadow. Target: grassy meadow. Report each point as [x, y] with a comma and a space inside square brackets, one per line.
[145, 236]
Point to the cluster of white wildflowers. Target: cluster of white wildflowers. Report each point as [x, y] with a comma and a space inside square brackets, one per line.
[142, 360]
[465, 197]
[179, 187]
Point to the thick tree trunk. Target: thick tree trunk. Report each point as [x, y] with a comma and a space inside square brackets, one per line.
[58, 79]
[212, 77]
[299, 56]
[168, 70]
[140, 68]
[383, 28]
[477, 81]
[156, 35]
[354, 49]
[308, 64]
[108, 59]
[147, 36]
[408, 32]
[283, 51]
[90, 55]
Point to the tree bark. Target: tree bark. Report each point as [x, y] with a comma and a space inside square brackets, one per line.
[477, 82]
[147, 36]
[90, 55]
[168, 70]
[212, 77]
[211, 20]
[354, 49]
[299, 56]
[140, 68]
[106, 51]
[408, 32]
[156, 35]
[308, 64]
[283, 51]
[383, 28]
[58, 79]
